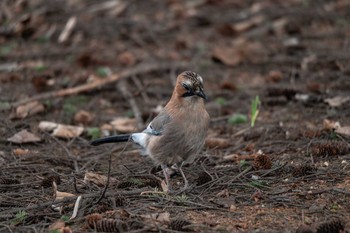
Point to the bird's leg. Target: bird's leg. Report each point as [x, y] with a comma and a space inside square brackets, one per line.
[183, 177]
[167, 177]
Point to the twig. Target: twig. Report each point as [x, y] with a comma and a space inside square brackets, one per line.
[107, 181]
[340, 191]
[108, 175]
[67, 31]
[140, 87]
[140, 69]
[7, 227]
[76, 208]
[71, 199]
[122, 86]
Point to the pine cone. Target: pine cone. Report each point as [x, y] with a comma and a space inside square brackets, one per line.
[203, 178]
[179, 224]
[330, 148]
[334, 226]
[262, 162]
[8, 181]
[303, 170]
[47, 181]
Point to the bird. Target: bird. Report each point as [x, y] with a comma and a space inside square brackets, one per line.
[177, 134]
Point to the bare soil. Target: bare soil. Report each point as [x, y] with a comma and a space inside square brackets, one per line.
[289, 171]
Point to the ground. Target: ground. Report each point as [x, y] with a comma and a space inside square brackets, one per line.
[87, 63]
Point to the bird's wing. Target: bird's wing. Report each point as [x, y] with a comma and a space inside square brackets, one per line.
[156, 127]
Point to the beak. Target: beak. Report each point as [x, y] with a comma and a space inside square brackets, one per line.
[201, 94]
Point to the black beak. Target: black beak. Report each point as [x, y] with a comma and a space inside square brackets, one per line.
[201, 94]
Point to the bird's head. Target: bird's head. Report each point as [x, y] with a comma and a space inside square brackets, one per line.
[189, 85]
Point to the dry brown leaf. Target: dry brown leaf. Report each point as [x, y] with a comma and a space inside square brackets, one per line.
[124, 124]
[343, 130]
[330, 125]
[61, 195]
[228, 56]
[28, 109]
[24, 137]
[337, 101]
[20, 152]
[67, 131]
[60, 130]
[83, 117]
[97, 179]
[241, 52]
[219, 143]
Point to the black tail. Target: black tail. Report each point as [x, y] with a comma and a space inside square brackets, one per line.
[111, 139]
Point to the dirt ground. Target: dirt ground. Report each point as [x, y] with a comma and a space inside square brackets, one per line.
[109, 66]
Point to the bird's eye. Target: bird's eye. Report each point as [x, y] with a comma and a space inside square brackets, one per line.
[186, 86]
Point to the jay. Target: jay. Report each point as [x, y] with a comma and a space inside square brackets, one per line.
[177, 134]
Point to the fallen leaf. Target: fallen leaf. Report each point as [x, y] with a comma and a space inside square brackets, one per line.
[67, 131]
[97, 179]
[47, 126]
[330, 125]
[24, 137]
[60, 130]
[124, 124]
[228, 56]
[343, 130]
[241, 51]
[337, 101]
[61, 195]
[20, 152]
[28, 109]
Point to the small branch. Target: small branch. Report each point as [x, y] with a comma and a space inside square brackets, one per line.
[122, 86]
[67, 31]
[140, 69]
[76, 208]
[72, 200]
[140, 88]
